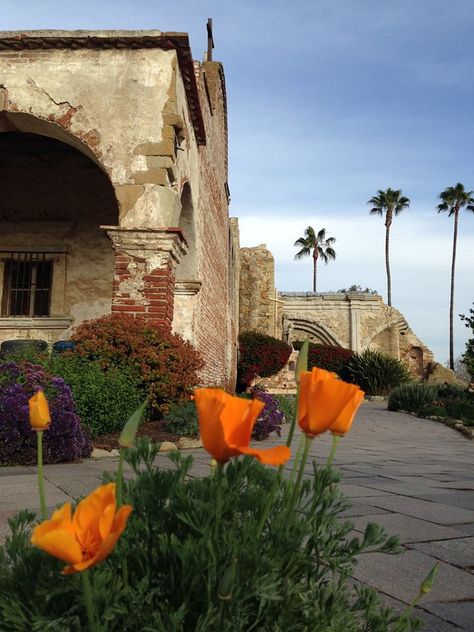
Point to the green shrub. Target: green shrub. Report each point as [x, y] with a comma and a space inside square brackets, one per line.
[454, 391]
[259, 355]
[188, 571]
[163, 364]
[415, 398]
[104, 399]
[287, 405]
[377, 373]
[459, 409]
[327, 357]
[182, 419]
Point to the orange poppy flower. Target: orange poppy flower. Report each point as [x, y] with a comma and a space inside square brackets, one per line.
[226, 424]
[89, 536]
[323, 398]
[344, 420]
[40, 418]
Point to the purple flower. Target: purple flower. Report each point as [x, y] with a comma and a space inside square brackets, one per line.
[270, 418]
[65, 440]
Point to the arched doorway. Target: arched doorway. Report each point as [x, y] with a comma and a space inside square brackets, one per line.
[56, 264]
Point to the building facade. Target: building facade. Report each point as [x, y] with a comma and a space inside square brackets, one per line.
[113, 170]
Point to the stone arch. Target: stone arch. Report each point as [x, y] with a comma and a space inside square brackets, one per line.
[398, 324]
[54, 197]
[318, 332]
[56, 126]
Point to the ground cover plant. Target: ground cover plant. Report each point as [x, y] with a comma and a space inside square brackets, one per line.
[445, 400]
[67, 439]
[244, 548]
[259, 356]
[162, 364]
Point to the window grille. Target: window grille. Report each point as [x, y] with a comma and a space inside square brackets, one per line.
[27, 283]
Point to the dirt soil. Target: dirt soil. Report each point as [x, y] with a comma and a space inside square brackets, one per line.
[152, 429]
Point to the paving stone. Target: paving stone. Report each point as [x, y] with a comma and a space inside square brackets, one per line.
[456, 498]
[430, 622]
[459, 551]
[21, 492]
[426, 510]
[361, 509]
[408, 529]
[357, 491]
[467, 529]
[461, 614]
[400, 576]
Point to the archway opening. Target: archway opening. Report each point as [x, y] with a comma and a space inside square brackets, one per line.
[56, 264]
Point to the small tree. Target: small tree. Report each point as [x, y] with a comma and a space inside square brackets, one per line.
[468, 357]
[317, 246]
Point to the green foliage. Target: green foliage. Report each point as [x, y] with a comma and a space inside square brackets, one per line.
[163, 364]
[415, 397]
[357, 288]
[468, 357]
[182, 419]
[104, 399]
[327, 357]
[194, 567]
[445, 400]
[377, 373]
[259, 355]
[287, 405]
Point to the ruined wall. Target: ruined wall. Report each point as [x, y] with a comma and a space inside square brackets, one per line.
[257, 291]
[352, 320]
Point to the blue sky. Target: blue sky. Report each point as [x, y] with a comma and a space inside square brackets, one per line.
[328, 102]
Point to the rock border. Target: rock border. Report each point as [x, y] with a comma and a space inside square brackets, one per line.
[455, 424]
[183, 443]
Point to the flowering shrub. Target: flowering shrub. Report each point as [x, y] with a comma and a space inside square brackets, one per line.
[259, 355]
[271, 417]
[334, 359]
[163, 364]
[65, 440]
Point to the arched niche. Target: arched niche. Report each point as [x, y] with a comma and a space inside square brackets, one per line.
[186, 270]
[187, 284]
[54, 197]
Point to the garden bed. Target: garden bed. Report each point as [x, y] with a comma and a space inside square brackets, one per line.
[152, 429]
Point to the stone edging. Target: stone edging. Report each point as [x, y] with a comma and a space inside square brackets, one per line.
[183, 443]
[455, 424]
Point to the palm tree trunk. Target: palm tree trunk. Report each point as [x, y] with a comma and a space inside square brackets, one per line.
[315, 269]
[451, 301]
[387, 260]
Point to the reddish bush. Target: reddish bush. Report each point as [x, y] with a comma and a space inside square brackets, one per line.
[163, 364]
[330, 358]
[259, 355]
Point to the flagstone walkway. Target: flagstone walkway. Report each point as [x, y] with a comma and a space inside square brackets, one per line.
[414, 477]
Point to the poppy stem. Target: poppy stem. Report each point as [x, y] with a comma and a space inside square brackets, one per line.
[118, 491]
[219, 477]
[335, 440]
[295, 417]
[86, 587]
[42, 497]
[119, 503]
[308, 440]
[268, 504]
[296, 462]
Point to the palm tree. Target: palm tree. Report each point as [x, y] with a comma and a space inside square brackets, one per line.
[453, 199]
[316, 245]
[389, 202]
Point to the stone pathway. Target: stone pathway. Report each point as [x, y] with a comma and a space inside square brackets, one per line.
[415, 477]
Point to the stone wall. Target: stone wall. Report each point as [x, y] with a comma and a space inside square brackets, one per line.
[258, 306]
